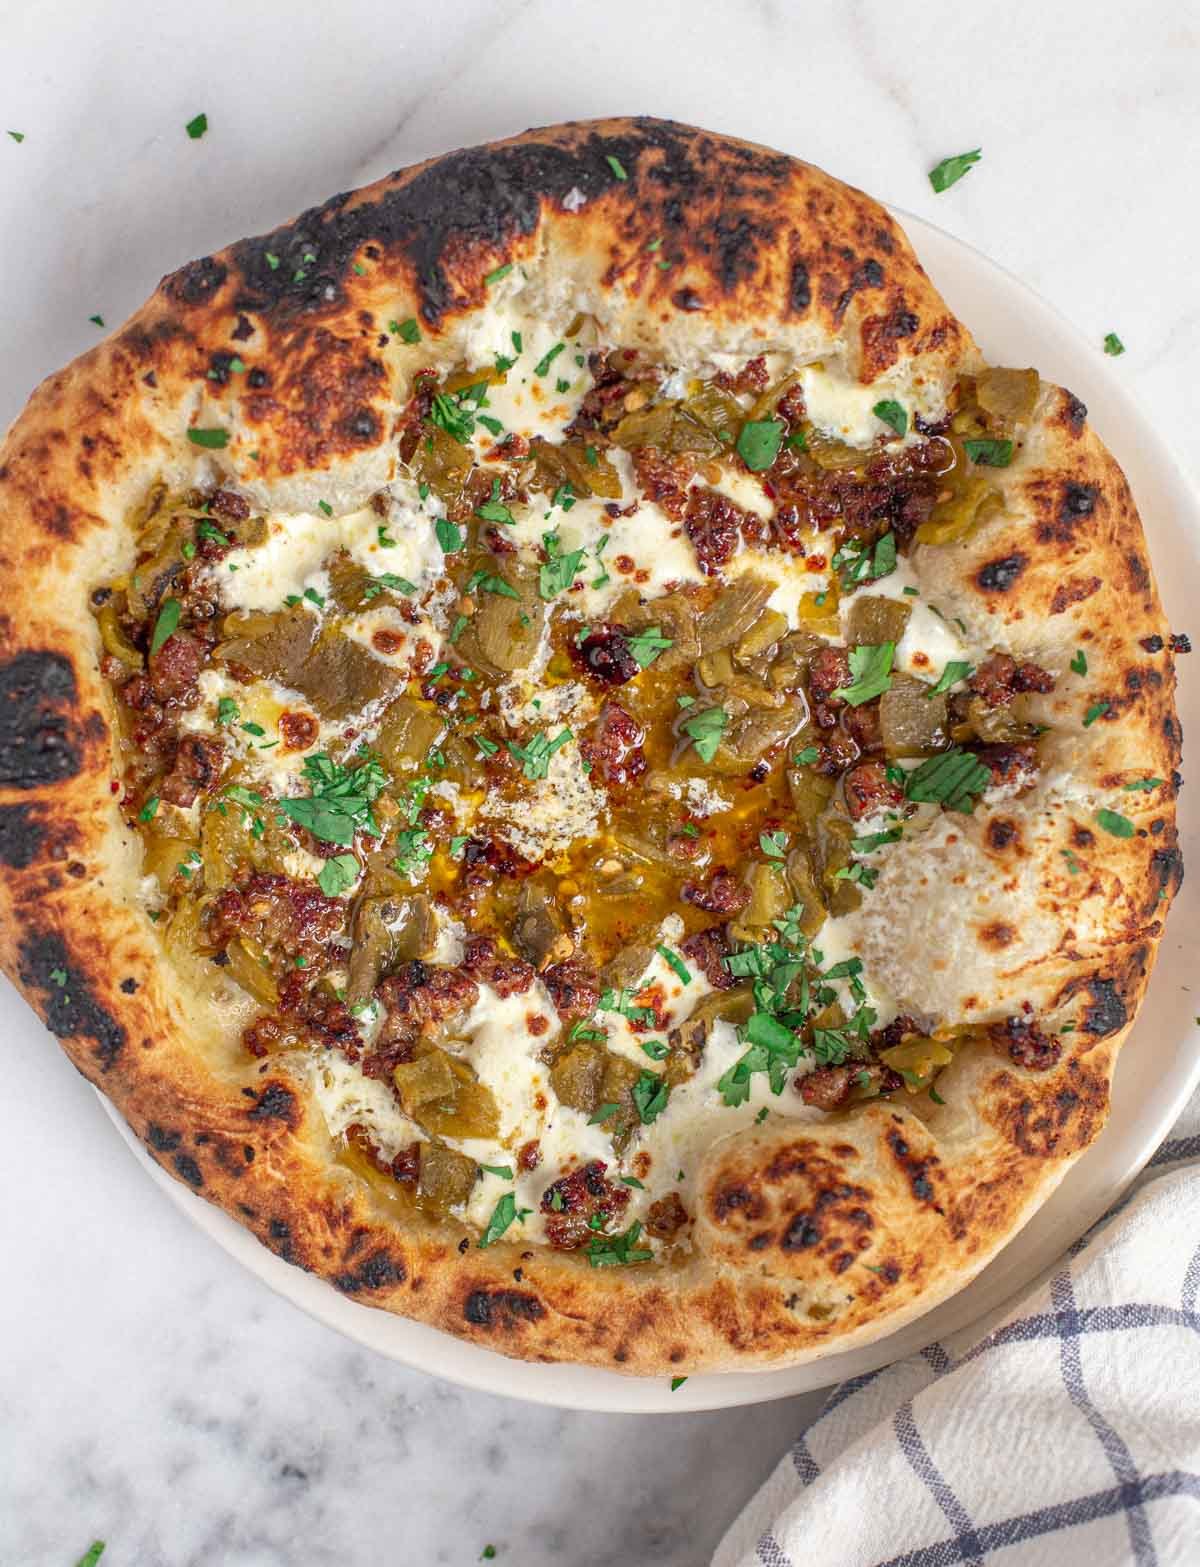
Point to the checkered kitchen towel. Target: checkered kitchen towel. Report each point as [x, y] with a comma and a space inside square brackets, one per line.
[1063, 1431]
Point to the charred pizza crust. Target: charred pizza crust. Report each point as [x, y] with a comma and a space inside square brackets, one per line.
[764, 250]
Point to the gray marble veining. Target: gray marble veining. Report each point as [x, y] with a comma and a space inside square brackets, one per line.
[151, 1393]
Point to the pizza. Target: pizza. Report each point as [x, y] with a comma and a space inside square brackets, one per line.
[577, 761]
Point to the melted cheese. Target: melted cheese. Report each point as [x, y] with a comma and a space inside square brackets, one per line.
[550, 813]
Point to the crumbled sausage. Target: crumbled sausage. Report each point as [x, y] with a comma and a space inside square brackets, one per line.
[664, 480]
[828, 1087]
[708, 950]
[1025, 1044]
[419, 999]
[569, 1203]
[999, 678]
[868, 788]
[290, 920]
[197, 767]
[613, 745]
[506, 976]
[574, 988]
[1009, 764]
[720, 894]
[714, 525]
[828, 672]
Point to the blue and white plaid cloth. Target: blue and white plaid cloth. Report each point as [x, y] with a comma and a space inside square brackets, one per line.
[1062, 1431]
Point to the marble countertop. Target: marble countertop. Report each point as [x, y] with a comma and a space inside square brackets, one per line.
[151, 1393]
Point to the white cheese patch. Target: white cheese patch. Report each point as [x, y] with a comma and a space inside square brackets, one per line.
[345, 1096]
[679, 1000]
[289, 561]
[931, 640]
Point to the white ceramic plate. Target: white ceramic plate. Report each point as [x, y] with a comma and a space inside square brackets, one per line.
[1159, 1066]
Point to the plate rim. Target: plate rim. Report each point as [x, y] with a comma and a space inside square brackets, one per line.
[427, 1349]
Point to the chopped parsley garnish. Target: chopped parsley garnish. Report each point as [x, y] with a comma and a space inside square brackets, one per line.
[989, 454]
[388, 582]
[620, 1001]
[498, 273]
[505, 1213]
[806, 757]
[543, 365]
[954, 779]
[227, 710]
[892, 414]
[96, 1549]
[1139, 785]
[650, 1095]
[1116, 824]
[656, 1049]
[1079, 663]
[954, 671]
[449, 535]
[386, 541]
[99, 321]
[854, 563]
[147, 812]
[197, 127]
[950, 170]
[560, 570]
[1097, 710]
[341, 799]
[675, 963]
[601, 1114]
[758, 443]
[504, 1171]
[166, 624]
[17, 136]
[488, 582]
[872, 671]
[631, 1180]
[1072, 862]
[871, 841]
[451, 415]
[213, 440]
[608, 1251]
[338, 875]
[773, 844]
[494, 509]
[253, 729]
[616, 166]
[1112, 343]
[535, 757]
[407, 331]
[706, 729]
[647, 645]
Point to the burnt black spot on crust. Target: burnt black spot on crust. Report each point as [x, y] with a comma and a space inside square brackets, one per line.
[1078, 500]
[21, 836]
[799, 288]
[505, 1309]
[687, 299]
[802, 1232]
[868, 275]
[71, 1010]
[917, 1169]
[277, 1102]
[160, 1139]
[1000, 832]
[129, 986]
[280, 1234]
[1107, 1012]
[37, 695]
[1074, 413]
[377, 1272]
[484, 199]
[1166, 866]
[196, 283]
[189, 1170]
[998, 576]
